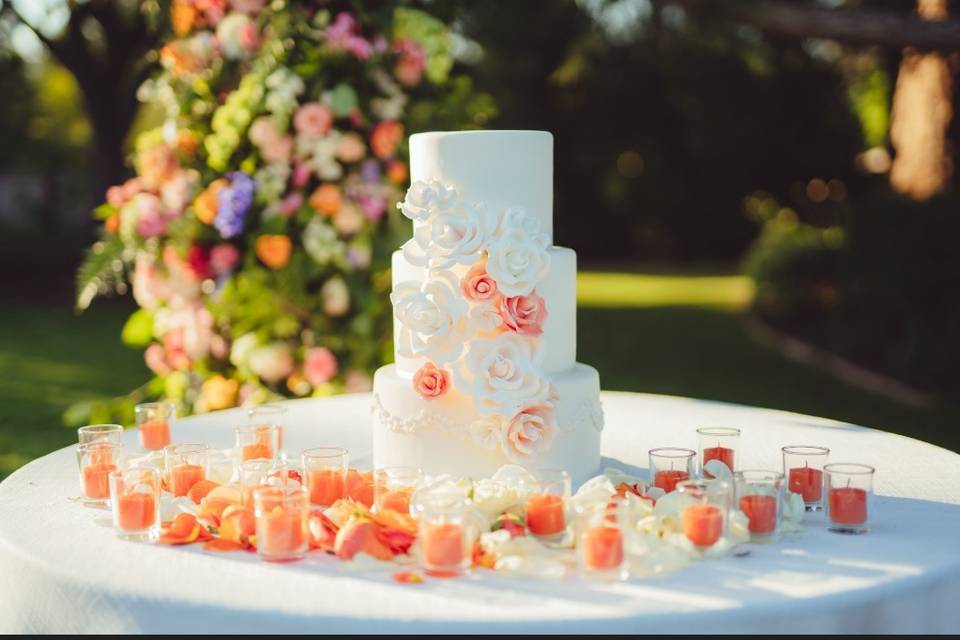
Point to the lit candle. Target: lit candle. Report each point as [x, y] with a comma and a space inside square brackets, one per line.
[257, 451]
[703, 524]
[264, 435]
[723, 454]
[136, 511]
[602, 547]
[545, 514]
[326, 485]
[848, 505]
[443, 546]
[183, 477]
[668, 479]
[806, 481]
[396, 500]
[283, 532]
[761, 512]
[96, 480]
[154, 434]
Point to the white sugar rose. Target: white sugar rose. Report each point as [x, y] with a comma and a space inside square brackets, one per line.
[486, 432]
[518, 261]
[432, 317]
[500, 375]
[456, 236]
[530, 433]
[424, 200]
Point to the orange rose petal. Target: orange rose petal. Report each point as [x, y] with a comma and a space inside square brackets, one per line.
[219, 544]
[408, 577]
[182, 525]
[200, 490]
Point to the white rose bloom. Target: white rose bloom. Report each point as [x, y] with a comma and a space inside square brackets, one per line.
[486, 432]
[518, 261]
[501, 376]
[486, 319]
[425, 200]
[241, 349]
[454, 236]
[433, 318]
[272, 362]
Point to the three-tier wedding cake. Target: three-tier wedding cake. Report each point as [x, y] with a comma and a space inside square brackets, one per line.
[484, 317]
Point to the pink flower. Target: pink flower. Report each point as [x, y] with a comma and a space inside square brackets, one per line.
[156, 359]
[477, 284]
[351, 148]
[301, 175]
[411, 63]
[223, 258]
[529, 433]
[152, 217]
[130, 188]
[313, 119]
[430, 381]
[248, 6]
[343, 34]
[116, 196]
[277, 150]
[289, 205]
[523, 314]
[357, 381]
[319, 366]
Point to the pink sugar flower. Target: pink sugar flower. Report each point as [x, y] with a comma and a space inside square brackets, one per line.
[430, 381]
[523, 314]
[477, 285]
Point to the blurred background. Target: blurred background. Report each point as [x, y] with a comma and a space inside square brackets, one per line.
[762, 195]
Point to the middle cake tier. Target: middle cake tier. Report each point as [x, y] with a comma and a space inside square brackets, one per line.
[557, 350]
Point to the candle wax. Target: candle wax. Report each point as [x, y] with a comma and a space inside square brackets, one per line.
[602, 547]
[154, 434]
[101, 453]
[396, 500]
[723, 454]
[326, 485]
[761, 511]
[359, 487]
[667, 480]
[703, 524]
[265, 435]
[283, 532]
[96, 482]
[257, 451]
[183, 477]
[443, 547]
[848, 505]
[545, 514]
[807, 482]
[136, 511]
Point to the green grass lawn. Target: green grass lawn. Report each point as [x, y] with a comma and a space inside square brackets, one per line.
[673, 334]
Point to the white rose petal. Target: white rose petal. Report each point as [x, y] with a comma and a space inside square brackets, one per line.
[501, 376]
[425, 200]
[433, 318]
[517, 262]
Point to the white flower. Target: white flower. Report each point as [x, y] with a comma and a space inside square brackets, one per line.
[432, 317]
[320, 154]
[500, 375]
[272, 362]
[447, 238]
[493, 498]
[322, 243]
[425, 200]
[233, 34]
[486, 319]
[530, 433]
[336, 297]
[517, 257]
[486, 432]
[241, 349]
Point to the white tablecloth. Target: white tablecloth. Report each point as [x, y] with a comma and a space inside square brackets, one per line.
[63, 570]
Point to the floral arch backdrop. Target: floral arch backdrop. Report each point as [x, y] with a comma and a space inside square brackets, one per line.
[256, 234]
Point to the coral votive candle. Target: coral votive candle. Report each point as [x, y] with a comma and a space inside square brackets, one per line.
[395, 500]
[545, 514]
[154, 434]
[807, 482]
[703, 524]
[723, 454]
[282, 532]
[848, 506]
[136, 511]
[668, 479]
[443, 545]
[96, 480]
[326, 485]
[602, 547]
[761, 512]
[183, 477]
[257, 451]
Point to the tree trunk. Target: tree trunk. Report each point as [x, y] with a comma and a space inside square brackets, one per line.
[920, 116]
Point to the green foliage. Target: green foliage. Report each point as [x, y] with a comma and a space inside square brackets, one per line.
[101, 272]
[432, 34]
[138, 329]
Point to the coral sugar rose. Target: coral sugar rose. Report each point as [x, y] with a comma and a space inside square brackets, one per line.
[524, 314]
[477, 284]
[430, 381]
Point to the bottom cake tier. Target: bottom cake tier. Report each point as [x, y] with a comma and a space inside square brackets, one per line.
[440, 435]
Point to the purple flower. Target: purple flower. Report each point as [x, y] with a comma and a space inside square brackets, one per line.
[373, 207]
[234, 202]
[370, 171]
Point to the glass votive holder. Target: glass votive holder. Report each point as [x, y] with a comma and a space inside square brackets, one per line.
[186, 465]
[394, 486]
[269, 415]
[326, 474]
[281, 515]
[153, 423]
[718, 443]
[97, 460]
[253, 474]
[803, 468]
[670, 465]
[546, 503]
[760, 497]
[135, 501]
[258, 442]
[100, 433]
[599, 531]
[705, 510]
[849, 492]
[444, 534]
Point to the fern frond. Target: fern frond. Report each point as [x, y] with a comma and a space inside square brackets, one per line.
[100, 272]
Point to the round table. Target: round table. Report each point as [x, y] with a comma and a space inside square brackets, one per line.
[62, 569]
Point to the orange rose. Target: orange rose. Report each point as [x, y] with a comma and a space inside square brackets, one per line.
[218, 392]
[274, 250]
[112, 223]
[385, 138]
[182, 16]
[430, 381]
[327, 199]
[397, 171]
[186, 141]
[206, 204]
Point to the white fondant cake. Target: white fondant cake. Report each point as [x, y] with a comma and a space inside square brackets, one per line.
[484, 317]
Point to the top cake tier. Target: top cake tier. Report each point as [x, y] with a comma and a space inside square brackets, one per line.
[497, 168]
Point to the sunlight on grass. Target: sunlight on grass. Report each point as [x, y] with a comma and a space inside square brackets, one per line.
[595, 289]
